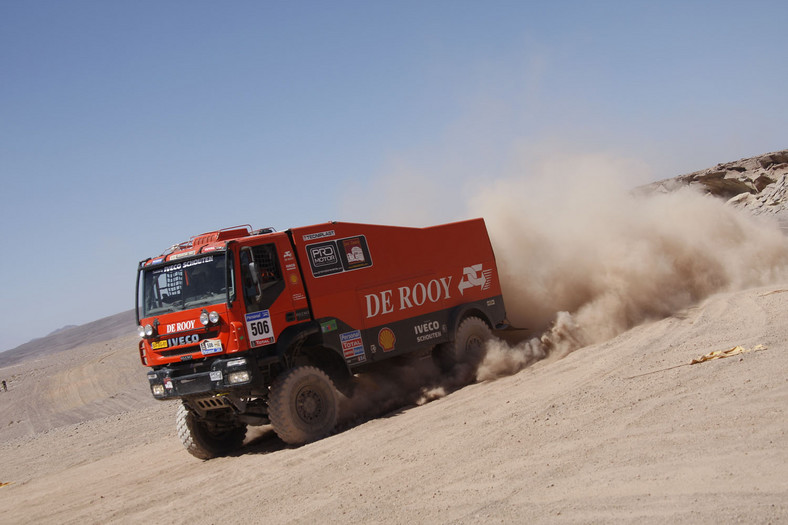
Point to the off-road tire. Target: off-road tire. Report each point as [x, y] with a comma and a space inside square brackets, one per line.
[303, 405]
[205, 440]
[462, 356]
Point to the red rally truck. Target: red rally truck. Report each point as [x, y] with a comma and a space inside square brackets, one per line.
[263, 327]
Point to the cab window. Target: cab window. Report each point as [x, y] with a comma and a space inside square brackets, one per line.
[261, 276]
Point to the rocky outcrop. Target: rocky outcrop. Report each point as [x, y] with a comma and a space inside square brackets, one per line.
[757, 184]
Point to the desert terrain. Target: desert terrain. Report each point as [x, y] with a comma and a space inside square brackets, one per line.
[599, 416]
[621, 431]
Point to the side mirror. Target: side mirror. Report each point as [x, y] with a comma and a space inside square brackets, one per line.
[249, 269]
[258, 286]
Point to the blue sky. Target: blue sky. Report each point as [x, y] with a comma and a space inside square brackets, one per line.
[128, 126]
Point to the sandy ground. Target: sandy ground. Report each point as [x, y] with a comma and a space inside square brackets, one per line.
[621, 431]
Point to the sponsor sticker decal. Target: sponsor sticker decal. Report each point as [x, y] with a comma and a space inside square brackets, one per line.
[319, 235]
[328, 326]
[352, 345]
[210, 346]
[175, 256]
[158, 345]
[343, 255]
[355, 252]
[324, 259]
[387, 339]
[475, 276]
[260, 328]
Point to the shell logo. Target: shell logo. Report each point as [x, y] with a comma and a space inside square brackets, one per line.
[387, 339]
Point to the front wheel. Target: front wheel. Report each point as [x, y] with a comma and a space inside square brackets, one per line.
[303, 405]
[204, 439]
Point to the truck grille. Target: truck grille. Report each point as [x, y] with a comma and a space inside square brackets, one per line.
[186, 350]
[212, 403]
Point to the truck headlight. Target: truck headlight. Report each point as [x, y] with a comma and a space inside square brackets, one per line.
[208, 318]
[148, 330]
[158, 390]
[241, 376]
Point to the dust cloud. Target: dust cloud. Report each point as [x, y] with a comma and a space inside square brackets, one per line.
[582, 259]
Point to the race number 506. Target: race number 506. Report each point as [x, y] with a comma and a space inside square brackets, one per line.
[260, 329]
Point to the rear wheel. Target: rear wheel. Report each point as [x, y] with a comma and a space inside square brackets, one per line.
[206, 439]
[303, 405]
[463, 355]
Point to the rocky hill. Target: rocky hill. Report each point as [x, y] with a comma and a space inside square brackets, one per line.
[757, 184]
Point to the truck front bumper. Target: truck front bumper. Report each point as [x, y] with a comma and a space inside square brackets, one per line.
[220, 375]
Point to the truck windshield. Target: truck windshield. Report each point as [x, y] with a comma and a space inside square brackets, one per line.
[185, 284]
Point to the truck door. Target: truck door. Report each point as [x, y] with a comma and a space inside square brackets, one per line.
[272, 291]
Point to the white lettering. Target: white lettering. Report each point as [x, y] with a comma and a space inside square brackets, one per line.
[180, 327]
[385, 298]
[323, 255]
[404, 298]
[435, 296]
[372, 299]
[446, 281]
[419, 294]
[184, 339]
[429, 326]
[198, 261]
[427, 337]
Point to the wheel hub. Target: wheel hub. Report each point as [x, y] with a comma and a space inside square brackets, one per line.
[309, 405]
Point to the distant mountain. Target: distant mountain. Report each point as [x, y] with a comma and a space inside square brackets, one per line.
[68, 326]
[69, 337]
